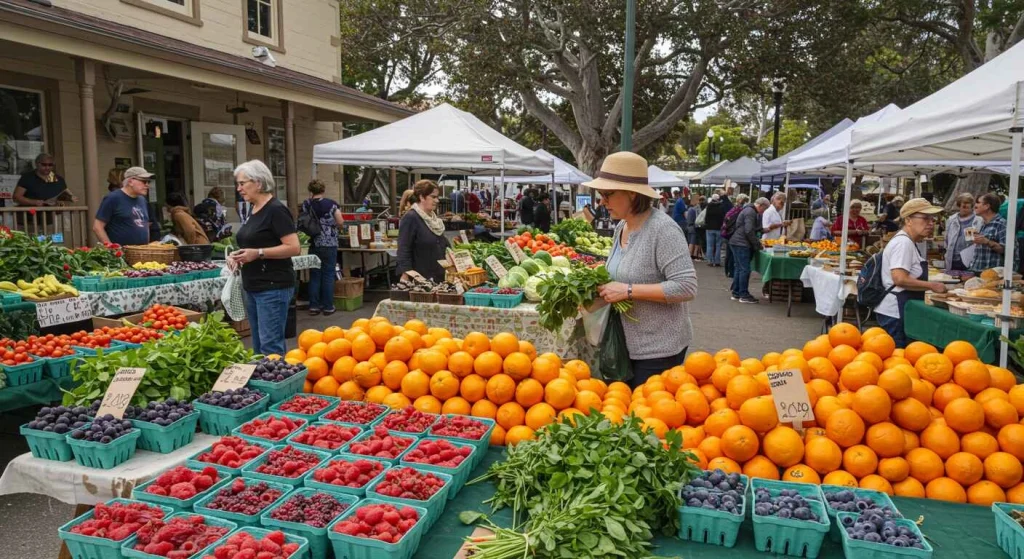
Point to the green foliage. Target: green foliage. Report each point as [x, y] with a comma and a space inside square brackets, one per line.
[26, 258]
[563, 295]
[729, 144]
[792, 134]
[18, 325]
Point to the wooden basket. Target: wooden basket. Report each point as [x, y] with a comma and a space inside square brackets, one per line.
[421, 297]
[348, 287]
[149, 253]
[469, 279]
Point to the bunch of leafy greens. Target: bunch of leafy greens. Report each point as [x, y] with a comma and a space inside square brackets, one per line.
[562, 295]
[598, 489]
[182, 366]
[481, 251]
[18, 325]
[567, 229]
[23, 257]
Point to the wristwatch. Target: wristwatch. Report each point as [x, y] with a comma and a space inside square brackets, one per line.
[260, 252]
[629, 292]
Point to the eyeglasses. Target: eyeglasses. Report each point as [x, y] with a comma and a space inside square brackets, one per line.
[239, 184]
[925, 218]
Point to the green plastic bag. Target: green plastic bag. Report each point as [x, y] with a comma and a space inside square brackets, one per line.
[613, 358]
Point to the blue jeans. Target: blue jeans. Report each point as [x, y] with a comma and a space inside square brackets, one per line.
[894, 327]
[321, 280]
[714, 252]
[741, 271]
[268, 312]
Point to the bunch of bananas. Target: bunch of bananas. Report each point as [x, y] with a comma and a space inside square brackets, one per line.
[40, 288]
[149, 266]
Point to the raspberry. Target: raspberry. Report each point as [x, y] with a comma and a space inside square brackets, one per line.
[409, 420]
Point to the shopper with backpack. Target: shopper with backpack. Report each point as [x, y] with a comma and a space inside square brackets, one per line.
[901, 274]
[320, 217]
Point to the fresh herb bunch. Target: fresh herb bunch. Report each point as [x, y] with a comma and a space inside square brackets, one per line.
[23, 257]
[179, 367]
[598, 489]
[563, 295]
[18, 325]
[567, 229]
[100, 258]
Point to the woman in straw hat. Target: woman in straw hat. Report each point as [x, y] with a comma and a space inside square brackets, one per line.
[650, 265]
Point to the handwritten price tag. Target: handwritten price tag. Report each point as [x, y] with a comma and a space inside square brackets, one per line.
[234, 376]
[121, 391]
[63, 311]
[463, 260]
[790, 394]
[353, 236]
[517, 253]
[496, 266]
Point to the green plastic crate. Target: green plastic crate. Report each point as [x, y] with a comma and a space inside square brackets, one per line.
[348, 304]
[301, 424]
[26, 373]
[859, 549]
[178, 505]
[105, 456]
[89, 547]
[369, 432]
[351, 547]
[506, 301]
[434, 505]
[193, 461]
[7, 298]
[157, 438]
[127, 549]
[215, 420]
[319, 544]
[342, 489]
[786, 536]
[481, 444]
[332, 402]
[881, 499]
[460, 473]
[477, 299]
[301, 553]
[47, 445]
[805, 490]
[93, 352]
[249, 470]
[423, 433]
[58, 367]
[1009, 534]
[291, 440]
[280, 391]
[242, 519]
[715, 527]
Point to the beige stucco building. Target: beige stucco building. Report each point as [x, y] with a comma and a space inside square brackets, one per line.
[187, 88]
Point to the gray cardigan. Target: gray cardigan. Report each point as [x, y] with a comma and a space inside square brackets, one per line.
[657, 253]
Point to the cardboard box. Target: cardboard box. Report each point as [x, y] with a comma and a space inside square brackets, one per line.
[101, 321]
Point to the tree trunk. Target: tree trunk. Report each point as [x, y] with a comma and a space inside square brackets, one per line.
[354, 193]
[975, 184]
[589, 158]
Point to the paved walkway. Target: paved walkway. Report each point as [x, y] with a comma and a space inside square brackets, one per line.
[29, 522]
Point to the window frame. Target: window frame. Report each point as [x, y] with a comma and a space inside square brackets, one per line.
[44, 123]
[276, 40]
[189, 12]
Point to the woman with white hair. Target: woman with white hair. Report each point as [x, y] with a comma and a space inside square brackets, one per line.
[267, 242]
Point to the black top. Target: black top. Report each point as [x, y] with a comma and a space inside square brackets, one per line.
[715, 216]
[265, 229]
[419, 248]
[526, 210]
[542, 217]
[38, 189]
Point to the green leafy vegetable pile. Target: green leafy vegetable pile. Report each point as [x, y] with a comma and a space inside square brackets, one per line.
[598, 489]
[481, 251]
[567, 229]
[563, 295]
[182, 366]
[18, 325]
[23, 257]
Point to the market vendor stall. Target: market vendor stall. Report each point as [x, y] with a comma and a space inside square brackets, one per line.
[780, 273]
[831, 291]
[939, 327]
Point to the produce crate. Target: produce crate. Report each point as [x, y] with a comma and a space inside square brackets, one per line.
[348, 304]
[301, 553]
[477, 299]
[879, 498]
[434, 505]
[237, 431]
[215, 420]
[860, 549]
[89, 547]
[47, 445]
[104, 456]
[179, 505]
[319, 544]
[421, 297]
[58, 367]
[134, 254]
[450, 299]
[460, 473]
[249, 470]
[398, 295]
[351, 547]
[280, 391]
[157, 438]
[481, 445]
[312, 423]
[194, 462]
[7, 298]
[787, 536]
[780, 289]
[26, 373]
[393, 461]
[506, 301]
[128, 548]
[375, 420]
[332, 402]
[1009, 534]
[805, 490]
[136, 318]
[93, 352]
[241, 327]
[715, 527]
[349, 287]
[341, 489]
[238, 518]
[417, 434]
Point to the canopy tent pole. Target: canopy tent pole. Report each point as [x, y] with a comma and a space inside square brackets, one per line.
[918, 186]
[1011, 237]
[785, 190]
[847, 191]
[554, 196]
[501, 204]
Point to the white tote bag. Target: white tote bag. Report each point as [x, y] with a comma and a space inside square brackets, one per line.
[231, 295]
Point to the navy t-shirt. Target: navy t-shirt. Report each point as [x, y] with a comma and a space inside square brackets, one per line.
[127, 218]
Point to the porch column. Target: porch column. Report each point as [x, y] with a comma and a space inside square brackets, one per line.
[85, 75]
[393, 192]
[291, 176]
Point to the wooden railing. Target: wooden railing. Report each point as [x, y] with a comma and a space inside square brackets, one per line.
[67, 225]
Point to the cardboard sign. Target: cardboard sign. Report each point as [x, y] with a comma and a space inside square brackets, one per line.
[463, 237]
[790, 394]
[234, 376]
[353, 236]
[121, 391]
[496, 266]
[416, 276]
[463, 260]
[445, 263]
[365, 231]
[517, 253]
[63, 311]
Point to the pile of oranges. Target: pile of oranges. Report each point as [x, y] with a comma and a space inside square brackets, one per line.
[501, 378]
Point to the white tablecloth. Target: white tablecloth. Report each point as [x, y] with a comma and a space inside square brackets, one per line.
[830, 291]
[78, 485]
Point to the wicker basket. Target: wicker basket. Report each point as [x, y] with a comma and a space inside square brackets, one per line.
[150, 253]
[420, 297]
[469, 279]
[348, 287]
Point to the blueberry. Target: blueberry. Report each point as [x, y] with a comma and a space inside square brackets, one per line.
[802, 513]
[785, 513]
[693, 502]
[872, 537]
[849, 521]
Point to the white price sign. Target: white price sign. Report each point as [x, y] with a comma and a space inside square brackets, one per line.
[63, 311]
[121, 391]
[463, 260]
[517, 253]
[463, 237]
[353, 236]
[365, 231]
[790, 393]
[234, 376]
[496, 266]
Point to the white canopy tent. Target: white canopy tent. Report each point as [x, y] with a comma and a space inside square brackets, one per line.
[660, 178]
[742, 170]
[977, 118]
[700, 176]
[830, 156]
[565, 173]
[777, 166]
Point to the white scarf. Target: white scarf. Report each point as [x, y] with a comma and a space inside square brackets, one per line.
[435, 223]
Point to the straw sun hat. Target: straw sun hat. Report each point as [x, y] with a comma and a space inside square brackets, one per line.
[623, 171]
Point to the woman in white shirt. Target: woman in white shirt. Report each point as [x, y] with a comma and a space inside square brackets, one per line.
[904, 269]
[771, 220]
[956, 242]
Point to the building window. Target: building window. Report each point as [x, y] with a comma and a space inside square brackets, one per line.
[263, 23]
[276, 160]
[184, 10]
[260, 18]
[22, 131]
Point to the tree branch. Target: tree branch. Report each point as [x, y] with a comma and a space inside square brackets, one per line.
[569, 137]
[1017, 34]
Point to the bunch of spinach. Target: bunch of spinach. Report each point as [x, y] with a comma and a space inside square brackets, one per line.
[18, 325]
[26, 258]
[598, 489]
[567, 229]
[563, 295]
[182, 366]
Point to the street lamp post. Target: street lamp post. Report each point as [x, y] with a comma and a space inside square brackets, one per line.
[778, 88]
[711, 144]
[626, 143]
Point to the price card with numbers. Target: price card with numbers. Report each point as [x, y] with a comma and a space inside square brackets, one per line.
[790, 393]
[234, 376]
[463, 260]
[63, 311]
[517, 253]
[353, 236]
[496, 266]
[121, 391]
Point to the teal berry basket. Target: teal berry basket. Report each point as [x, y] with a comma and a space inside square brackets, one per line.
[477, 299]
[302, 552]
[89, 547]
[26, 373]
[9, 298]
[352, 547]
[860, 549]
[382, 411]
[249, 471]
[201, 506]
[460, 473]
[47, 445]
[481, 444]
[434, 505]
[104, 456]
[58, 367]
[715, 527]
[788, 536]
[319, 544]
[93, 352]
[178, 505]
[880, 499]
[360, 492]
[194, 462]
[300, 424]
[805, 490]
[291, 440]
[1009, 534]
[506, 301]
[280, 391]
[418, 434]
[157, 438]
[128, 548]
[215, 420]
[332, 402]
[412, 440]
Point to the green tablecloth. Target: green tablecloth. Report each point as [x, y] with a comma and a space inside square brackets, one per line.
[778, 267]
[939, 327]
[43, 392]
[955, 531]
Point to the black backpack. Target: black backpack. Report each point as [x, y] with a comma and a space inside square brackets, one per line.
[730, 224]
[870, 290]
[308, 222]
